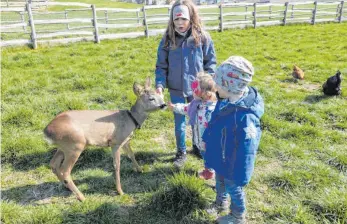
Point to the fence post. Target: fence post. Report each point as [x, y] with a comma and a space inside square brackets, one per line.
[95, 24]
[341, 11]
[314, 13]
[7, 4]
[255, 15]
[292, 15]
[221, 17]
[145, 21]
[31, 22]
[337, 10]
[67, 24]
[285, 14]
[106, 18]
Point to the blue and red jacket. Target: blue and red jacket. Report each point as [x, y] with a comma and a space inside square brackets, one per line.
[232, 137]
[177, 68]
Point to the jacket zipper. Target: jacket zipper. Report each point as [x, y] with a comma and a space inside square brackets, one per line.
[223, 142]
[235, 138]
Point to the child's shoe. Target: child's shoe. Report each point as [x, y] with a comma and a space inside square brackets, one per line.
[231, 219]
[206, 174]
[218, 208]
[180, 159]
[196, 152]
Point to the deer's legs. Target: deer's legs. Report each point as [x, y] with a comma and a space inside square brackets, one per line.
[70, 159]
[56, 163]
[116, 165]
[131, 155]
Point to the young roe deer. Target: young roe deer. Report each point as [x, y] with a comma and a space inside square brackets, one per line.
[72, 131]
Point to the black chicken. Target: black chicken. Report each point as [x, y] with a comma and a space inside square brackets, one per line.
[332, 86]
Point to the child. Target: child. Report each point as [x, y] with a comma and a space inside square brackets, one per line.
[184, 51]
[233, 134]
[199, 111]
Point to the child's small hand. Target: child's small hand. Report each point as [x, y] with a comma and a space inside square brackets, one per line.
[170, 105]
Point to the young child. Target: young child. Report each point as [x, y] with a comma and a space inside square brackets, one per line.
[233, 134]
[199, 111]
[184, 51]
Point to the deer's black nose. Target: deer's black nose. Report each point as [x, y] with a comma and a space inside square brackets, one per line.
[162, 106]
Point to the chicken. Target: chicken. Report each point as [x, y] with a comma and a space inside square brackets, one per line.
[298, 73]
[332, 86]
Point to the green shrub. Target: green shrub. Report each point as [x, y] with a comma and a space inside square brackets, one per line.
[182, 195]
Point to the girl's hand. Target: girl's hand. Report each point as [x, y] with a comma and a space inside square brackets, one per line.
[159, 90]
[170, 105]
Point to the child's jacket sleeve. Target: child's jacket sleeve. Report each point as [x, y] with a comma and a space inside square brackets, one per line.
[209, 56]
[162, 65]
[181, 108]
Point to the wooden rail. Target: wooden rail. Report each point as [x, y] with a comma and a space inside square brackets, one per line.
[149, 19]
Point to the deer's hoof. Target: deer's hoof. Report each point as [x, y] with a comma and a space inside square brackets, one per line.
[120, 192]
[81, 197]
[138, 169]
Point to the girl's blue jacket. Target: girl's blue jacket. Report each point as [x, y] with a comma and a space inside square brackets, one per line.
[177, 68]
[232, 137]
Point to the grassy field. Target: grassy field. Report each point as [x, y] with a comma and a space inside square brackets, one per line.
[301, 167]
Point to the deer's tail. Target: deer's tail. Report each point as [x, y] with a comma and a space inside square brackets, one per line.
[48, 136]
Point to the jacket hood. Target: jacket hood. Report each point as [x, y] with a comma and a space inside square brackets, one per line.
[253, 102]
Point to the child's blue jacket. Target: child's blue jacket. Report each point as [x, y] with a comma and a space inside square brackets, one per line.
[177, 68]
[232, 137]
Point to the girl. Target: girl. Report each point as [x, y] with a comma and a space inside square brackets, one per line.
[199, 111]
[184, 51]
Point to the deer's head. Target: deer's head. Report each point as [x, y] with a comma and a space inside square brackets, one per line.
[147, 98]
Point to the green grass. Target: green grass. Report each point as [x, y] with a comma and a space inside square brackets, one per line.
[300, 174]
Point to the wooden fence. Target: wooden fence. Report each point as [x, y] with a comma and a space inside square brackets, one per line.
[151, 20]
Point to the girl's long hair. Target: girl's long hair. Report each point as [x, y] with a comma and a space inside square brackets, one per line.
[195, 23]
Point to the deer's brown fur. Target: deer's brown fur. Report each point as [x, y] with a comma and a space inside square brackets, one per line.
[72, 131]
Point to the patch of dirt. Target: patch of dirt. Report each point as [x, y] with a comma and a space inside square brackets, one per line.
[164, 138]
[271, 167]
[310, 87]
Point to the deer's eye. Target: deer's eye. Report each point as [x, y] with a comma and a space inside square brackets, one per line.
[151, 99]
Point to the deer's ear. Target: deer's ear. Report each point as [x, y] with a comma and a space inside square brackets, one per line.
[148, 83]
[137, 89]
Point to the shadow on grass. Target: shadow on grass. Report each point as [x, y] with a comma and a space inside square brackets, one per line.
[316, 98]
[132, 183]
[37, 194]
[89, 159]
[105, 213]
[290, 79]
[114, 213]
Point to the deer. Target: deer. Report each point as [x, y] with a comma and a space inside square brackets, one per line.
[72, 131]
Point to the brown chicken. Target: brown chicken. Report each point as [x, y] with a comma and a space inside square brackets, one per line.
[298, 73]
